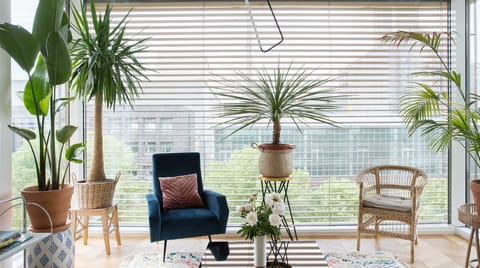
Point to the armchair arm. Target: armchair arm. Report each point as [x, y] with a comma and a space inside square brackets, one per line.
[154, 217]
[217, 203]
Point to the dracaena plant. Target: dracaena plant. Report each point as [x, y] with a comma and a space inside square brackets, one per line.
[106, 70]
[438, 116]
[44, 55]
[273, 95]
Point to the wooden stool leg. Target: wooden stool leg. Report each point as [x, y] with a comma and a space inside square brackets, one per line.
[74, 225]
[469, 248]
[105, 232]
[85, 230]
[115, 225]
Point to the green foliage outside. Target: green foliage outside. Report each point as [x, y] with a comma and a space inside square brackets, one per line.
[329, 200]
[120, 158]
[23, 173]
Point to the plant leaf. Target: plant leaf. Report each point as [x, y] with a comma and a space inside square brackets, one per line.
[37, 101]
[59, 64]
[60, 103]
[105, 62]
[64, 134]
[73, 151]
[273, 95]
[48, 18]
[22, 132]
[20, 45]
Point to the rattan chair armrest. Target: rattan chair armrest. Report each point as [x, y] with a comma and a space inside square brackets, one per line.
[366, 191]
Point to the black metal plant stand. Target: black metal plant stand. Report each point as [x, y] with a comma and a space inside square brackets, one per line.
[280, 185]
[278, 251]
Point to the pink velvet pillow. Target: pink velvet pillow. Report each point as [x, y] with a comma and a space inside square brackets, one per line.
[180, 192]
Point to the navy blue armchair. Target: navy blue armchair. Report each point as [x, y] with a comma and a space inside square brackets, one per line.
[186, 222]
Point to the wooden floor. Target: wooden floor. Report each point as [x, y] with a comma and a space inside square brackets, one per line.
[439, 251]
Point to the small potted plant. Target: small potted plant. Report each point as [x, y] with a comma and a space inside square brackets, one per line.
[105, 70]
[43, 54]
[272, 96]
[262, 221]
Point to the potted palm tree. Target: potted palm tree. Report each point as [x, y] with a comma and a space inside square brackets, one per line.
[440, 117]
[105, 69]
[43, 54]
[272, 96]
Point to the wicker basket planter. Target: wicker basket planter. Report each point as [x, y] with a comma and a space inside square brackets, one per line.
[96, 194]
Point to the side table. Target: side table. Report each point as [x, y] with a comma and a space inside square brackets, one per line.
[279, 185]
[80, 217]
[467, 214]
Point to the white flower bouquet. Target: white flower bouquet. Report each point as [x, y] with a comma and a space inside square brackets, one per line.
[264, 219]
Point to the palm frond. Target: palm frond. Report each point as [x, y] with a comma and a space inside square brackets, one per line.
[273, 95]
[420, 105]
[105, 61]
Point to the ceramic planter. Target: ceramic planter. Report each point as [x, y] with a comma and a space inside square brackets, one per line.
[55, 202]
[275, 160]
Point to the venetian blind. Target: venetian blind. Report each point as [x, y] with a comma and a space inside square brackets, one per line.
[193, 45]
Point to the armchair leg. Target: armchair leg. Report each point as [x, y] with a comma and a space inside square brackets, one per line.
[164, 249]
[209, 238]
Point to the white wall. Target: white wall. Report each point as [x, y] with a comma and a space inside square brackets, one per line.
[457, 165]
[5, 115]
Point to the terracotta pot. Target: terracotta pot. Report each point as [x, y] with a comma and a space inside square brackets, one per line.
[475, 188]
[55, 202]
[275, 160]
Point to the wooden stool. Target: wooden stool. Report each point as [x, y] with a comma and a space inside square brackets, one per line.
[107, 220]
[467, 214]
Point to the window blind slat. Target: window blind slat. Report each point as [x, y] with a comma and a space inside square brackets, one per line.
[192, 46]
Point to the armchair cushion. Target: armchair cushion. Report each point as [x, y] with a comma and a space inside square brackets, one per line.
[190, 222]
[180, 192]
[388, 202]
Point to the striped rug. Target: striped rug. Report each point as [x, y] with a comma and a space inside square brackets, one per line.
[300, 254]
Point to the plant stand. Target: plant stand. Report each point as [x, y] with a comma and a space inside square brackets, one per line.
[467, 214]
[56, 250]
[280, 185]
[278, 251]
[27, 240]
[80, 217]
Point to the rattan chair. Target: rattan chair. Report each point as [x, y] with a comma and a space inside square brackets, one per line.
[389, 202]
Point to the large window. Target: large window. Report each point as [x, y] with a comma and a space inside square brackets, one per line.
[192, 45]
[474, 62]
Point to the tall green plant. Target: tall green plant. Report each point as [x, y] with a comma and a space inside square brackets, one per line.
[273, 95]
[439, 116]
[105, 69]
[43, 54]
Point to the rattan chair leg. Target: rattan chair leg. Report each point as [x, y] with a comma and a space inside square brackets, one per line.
[360, 217]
